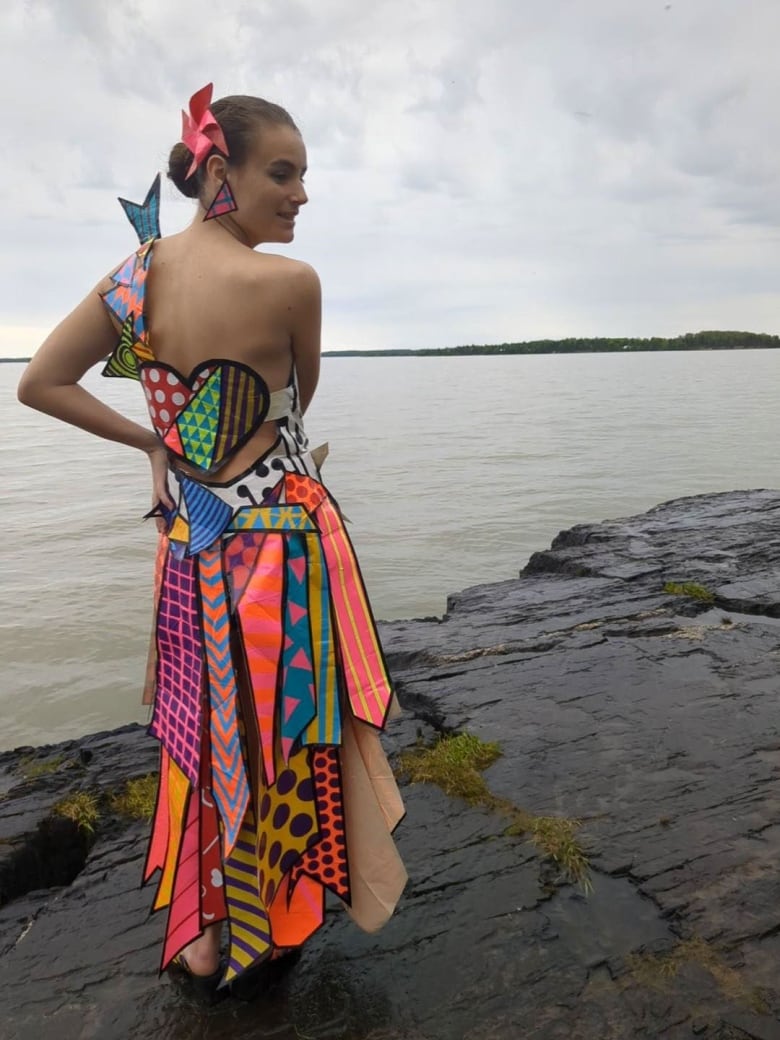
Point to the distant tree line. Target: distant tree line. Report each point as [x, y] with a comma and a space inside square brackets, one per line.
[712, 340]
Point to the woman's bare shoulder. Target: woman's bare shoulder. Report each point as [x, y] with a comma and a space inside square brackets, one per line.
[291, 285]
[283, 267]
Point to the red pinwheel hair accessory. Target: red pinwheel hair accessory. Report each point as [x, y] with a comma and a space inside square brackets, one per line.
[200, 130]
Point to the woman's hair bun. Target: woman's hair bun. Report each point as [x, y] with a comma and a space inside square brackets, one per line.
[240, 116]
[179, 162]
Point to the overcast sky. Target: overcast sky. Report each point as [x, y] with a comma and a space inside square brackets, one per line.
[480, 170]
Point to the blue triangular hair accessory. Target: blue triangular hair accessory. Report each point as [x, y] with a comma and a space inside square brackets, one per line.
[145, 217]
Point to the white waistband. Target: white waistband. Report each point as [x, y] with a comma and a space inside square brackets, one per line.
[281, 403]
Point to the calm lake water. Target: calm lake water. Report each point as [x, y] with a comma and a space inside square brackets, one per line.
[452, 471]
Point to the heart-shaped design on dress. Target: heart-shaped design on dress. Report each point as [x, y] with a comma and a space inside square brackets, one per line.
[206, 417]
[168, 392]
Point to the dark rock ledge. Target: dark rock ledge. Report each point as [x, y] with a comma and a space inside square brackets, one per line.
[653, 718]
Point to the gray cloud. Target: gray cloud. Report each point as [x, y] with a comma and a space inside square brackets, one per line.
[479, 172]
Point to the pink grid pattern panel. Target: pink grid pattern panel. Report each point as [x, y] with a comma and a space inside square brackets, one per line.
[178, 709]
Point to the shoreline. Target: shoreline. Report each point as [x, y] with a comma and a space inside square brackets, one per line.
[690, 341]
[629, 675]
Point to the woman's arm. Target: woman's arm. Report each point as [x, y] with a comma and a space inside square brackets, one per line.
[50, 385]
[307, 323]
[50, 381]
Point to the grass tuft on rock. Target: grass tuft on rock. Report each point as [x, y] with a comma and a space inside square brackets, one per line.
[556, 838]
[32, 767]
[455, 764]
[656, 970]
[137, 798]
[690, 589]
[81, 808]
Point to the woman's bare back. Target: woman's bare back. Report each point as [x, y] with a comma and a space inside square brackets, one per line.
[207, 298]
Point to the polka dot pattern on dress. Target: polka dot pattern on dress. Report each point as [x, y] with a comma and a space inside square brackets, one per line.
[287, 820]
[325, 858]
[303, 491]
[167, 394]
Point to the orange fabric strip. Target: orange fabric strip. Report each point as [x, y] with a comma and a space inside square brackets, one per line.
[184, 915]
[262, 628]
[292, 923]
[178, 786]
[158, 841]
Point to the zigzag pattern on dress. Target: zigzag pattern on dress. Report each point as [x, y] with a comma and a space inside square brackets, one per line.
[250, 932]
[230, 785]
[272, 518]
[145, 217]
[126, 295]
[208, 515]
[125, 272]
[223, 202]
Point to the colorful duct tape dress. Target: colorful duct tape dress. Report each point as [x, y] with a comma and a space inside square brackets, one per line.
[271, 686]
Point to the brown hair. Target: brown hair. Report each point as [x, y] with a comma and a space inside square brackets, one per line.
[240, 116]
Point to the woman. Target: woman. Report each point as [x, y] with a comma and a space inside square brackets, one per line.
[269, 682]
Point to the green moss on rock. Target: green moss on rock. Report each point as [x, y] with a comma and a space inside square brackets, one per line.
[455, 764]
[137, 798]
[82, 808]
[690, 589]
[31, 767]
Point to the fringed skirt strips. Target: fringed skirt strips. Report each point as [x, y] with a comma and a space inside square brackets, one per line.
[271, 690]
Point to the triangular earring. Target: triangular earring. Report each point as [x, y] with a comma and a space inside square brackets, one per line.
[223, 202]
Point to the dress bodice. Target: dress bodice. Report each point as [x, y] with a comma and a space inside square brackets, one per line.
[205, 417]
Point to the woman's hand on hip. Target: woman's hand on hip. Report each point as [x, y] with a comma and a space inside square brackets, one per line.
[161, 496]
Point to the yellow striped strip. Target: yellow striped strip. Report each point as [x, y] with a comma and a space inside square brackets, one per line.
[250, 933]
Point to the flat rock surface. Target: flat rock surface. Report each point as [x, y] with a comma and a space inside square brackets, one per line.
[650, 717]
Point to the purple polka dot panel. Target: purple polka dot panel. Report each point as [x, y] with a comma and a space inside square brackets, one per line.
[325, 860]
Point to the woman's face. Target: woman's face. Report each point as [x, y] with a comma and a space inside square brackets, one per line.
[268, 188]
